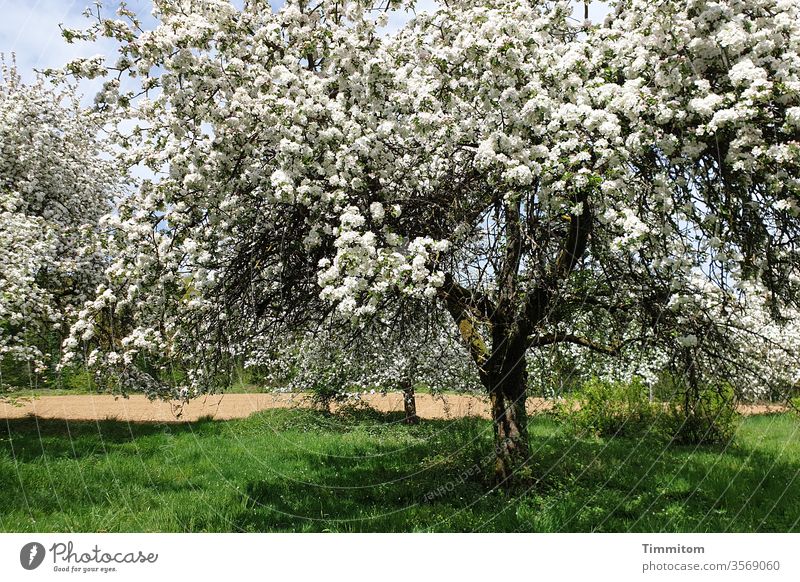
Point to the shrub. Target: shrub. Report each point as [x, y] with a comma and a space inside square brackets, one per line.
[607, 409]
[325, 394]
[604, 408]
[76, 378]
[704, 416]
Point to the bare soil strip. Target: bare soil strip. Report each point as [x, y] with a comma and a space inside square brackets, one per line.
[138, 408]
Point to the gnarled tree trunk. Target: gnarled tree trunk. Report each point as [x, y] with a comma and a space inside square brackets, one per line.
[510, 419]
[502, 372]
[506, 379]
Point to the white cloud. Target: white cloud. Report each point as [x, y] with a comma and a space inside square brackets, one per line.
[30, 30]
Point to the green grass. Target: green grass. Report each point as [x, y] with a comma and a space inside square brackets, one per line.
[299, 470]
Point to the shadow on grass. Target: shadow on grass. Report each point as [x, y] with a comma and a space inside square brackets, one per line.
[301, 470]
[33, 437]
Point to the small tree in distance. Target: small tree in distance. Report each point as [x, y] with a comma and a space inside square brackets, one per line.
[338, 364]
[615, 186]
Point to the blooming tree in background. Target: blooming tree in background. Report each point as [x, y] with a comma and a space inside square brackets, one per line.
[54, 187]
[336, 363]
[626, 187]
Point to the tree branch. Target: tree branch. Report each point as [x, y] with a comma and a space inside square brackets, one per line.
[555, 338]
[472, 300]
[464, 305]
[577, 239]
[509, 268]
[573, 250]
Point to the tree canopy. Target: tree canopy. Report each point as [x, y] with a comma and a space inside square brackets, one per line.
[55, 185]
[629, 186]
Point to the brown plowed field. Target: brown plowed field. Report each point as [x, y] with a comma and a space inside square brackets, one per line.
[138, 408]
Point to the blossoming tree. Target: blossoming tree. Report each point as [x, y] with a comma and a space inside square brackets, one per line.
[532, 176]
[337, 363]
[53, 190]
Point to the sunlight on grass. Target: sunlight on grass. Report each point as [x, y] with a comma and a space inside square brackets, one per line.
[300, 470]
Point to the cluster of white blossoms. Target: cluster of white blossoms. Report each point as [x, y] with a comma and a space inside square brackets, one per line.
[304, 162]
[54, 187]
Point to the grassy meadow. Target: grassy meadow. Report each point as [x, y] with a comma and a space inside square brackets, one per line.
[301, 470]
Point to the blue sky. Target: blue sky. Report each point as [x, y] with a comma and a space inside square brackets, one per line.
[30, 29]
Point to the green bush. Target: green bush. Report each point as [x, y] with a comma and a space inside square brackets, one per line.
[604, 408]
[325, 394]
[704, 416]
[76, 378]
[608, 409]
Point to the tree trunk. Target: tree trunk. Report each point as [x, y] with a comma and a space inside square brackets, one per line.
[510, 418]
[692, 394]
[502, 373]
[410, 404]
[507, 395]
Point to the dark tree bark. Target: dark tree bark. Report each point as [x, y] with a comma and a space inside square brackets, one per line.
[502, 373]
[410, 403]
[506, 383]
[507, 395]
